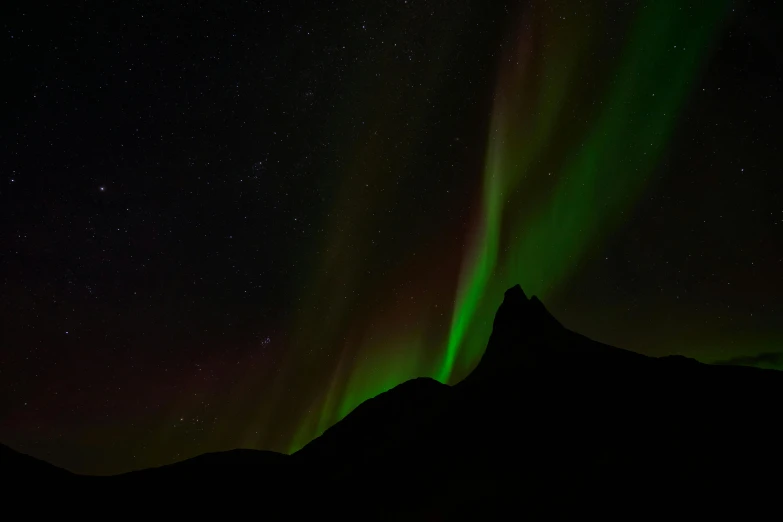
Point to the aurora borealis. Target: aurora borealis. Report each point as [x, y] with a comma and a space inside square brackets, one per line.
[592, 186]
[235, 224]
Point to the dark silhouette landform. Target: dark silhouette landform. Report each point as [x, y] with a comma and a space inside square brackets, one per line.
[549, 423]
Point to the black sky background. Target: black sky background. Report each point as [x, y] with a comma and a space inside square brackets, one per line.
[172, 175]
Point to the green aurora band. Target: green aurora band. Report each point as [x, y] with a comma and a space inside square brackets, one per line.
[606, 172]
[540, 210]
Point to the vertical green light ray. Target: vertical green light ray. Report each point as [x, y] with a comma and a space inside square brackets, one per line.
[373, 372]
[572, 142]
[482, 266]
[505, 168]
[602, 176]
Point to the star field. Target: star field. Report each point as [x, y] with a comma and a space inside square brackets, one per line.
[226, 225]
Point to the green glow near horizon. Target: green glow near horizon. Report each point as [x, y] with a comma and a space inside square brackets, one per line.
[553, 185]
[601, 177]
[379, 370]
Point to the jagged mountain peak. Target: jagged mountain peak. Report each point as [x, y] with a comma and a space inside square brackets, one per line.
[519, 325]
[549, 419]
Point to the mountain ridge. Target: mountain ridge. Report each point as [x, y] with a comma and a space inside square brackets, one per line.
[548, 421]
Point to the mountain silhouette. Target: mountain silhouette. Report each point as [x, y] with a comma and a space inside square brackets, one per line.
[24, 469]
[549, 423]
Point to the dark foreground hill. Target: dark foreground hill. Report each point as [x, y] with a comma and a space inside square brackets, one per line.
[549, 423]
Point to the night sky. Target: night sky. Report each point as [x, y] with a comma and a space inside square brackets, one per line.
[226, 224]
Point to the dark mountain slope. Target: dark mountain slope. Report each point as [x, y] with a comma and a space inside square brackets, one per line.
[379, 427]
[549, 423]
[552, 420]
[231, 466]
[25, 469]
